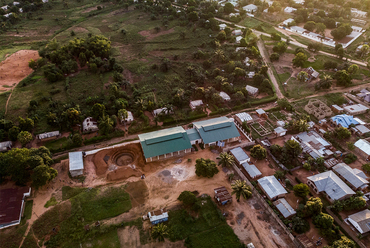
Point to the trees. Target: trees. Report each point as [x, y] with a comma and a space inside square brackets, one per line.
[301, 190]
[342, 31]
[228, 8]
[313, 206]
[77, 139]
[43, 174]
[274, 57]
[363, 51]
[193, 16]
[205, 168]
[314, 46]
[26, 124]
[350, 158]
[307, 166]
[310, 25]
[225, 159]
[323, 221]
[122, 114]
[299, 59]
[280, 47]
[342, 133]
[320, 28]
[353, 69]
[24, 137]
[105, 125]
[366, 167]
[221, 36]
[240, 188]
[159, 232]
[343, 78]
[97, 111]
[187, 198]
[343, 242]
[258, 152]
[300, 225]
[302, 76]
[13, 133]
[283, 103]
[292, 148]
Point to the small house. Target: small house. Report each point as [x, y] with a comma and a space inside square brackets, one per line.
[288, 21]
[336, 109]
[250, 74]
[158, 216]
[16, 3]
[76, 164]
[5, 7]
[250, 8]
[252, 170]
[129, 118]
[194, 104]
[343, 121]
[272, 187]
[224, 96]
[253, 91]
[261, 113]
[238, 39]
[5, 146]
[89, 125]
[297, 29]
[162, 111]
[280, 131]
[236, 32]
[284, 208]
[222, 196]
[47, 136]
[356, 109]
[222, 26]
[355, 178]
[312, 73]
[330, 185]
[240, 155]
[360, 130]
[243, 117]
[361, 221]
[289, 10]
[363, 148]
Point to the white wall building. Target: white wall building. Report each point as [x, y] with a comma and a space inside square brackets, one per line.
[76, 164]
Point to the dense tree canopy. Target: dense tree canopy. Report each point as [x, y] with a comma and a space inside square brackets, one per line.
[205, 168]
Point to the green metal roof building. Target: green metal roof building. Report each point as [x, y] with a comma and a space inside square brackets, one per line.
[164, 143]
[217, 129]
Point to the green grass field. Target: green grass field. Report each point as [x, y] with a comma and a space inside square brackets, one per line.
[29, 241]
[11, 237]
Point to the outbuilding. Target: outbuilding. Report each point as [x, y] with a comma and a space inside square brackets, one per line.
[5, 146]
[361, 221]
[272, 188]
[243, 117]
[252, 170]
[261, 113]
[284, 208]
[158, 216]
[48, 136]
[253, 91]
[194, 104]
[76, 164]
[224, 96]
[280, 131]
[240, 155]
[222, 196]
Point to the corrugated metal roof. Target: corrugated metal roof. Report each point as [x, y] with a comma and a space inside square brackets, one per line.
[252, 170]
[344, 120]
[48, 135]
[252, 90]
[76, 161]
[244, 117]
[164, 141]
[337, 107]
[331, 184]
[271, 186]
[217, 129]
[196, 103]
[355, 108]
[285, 209]
[363, 145]
[280, 130]
[359, 173]
[260, 111]
[225, 96]
[362, 219]
[347, 173]
[240, 155]
[361, 129]
[5, 144]
[359, 120]
[193, 134]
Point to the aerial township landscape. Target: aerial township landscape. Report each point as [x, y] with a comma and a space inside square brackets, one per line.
[185, 123]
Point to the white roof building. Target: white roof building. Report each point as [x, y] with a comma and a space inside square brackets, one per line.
[271, 186]
[236, 32]
[284, 208]
[299, 1]
[287, 21]
[222, 26]
[250, 8]
[363, 146]
[251, 74]
[240, 155]
[129, 118]
[164, 111]
[45, 1]
[297, 29]
[252, 170]
[89, 125]
[224, 96]
[358, 13]
[329, 183]
[251, 90]
[42, 136]
[355, 109]
[6, 145]
[280, 131]
[260, 112]
[76, 164]
[194, 104]
[238, 39]
[243, 117]
[354, 178]
[289, 10]
[361, 221]
[15, 3]
[5, 7]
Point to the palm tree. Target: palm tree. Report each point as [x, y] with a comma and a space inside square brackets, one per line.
[226, 160]
[240, 188]
[159, 232]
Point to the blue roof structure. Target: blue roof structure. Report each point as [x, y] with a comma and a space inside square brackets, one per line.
[344, 120]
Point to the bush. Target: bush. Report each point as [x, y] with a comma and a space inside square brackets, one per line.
[205, 168]
[350, 158]
[187, 198]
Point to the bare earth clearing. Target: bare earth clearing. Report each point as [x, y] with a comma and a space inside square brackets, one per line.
[15, 68]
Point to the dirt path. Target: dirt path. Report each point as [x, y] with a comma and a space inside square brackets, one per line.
[267, 61]
[7, 101]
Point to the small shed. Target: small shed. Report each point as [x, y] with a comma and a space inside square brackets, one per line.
[360, 130]
[284, 208]
[224, 96]
[240, 155]
[236, 32]
[222, 26]
[243, 117]
[6, 145]
[194, 104]
[261, 113]
[76, 164]
[47, 136]
[222, 196]
[250, 8]
[129, 119]
[238, 39]
[336, 109]
[158, 216]
[164, 111]
[280, 131]
[280, 123]
[252, 170]
[251, 74]
[253, 91]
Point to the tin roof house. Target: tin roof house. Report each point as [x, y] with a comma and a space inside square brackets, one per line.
[355, 178]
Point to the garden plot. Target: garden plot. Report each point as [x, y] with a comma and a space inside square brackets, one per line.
[262, 128]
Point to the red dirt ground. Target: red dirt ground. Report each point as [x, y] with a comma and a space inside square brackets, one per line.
[15, 68]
